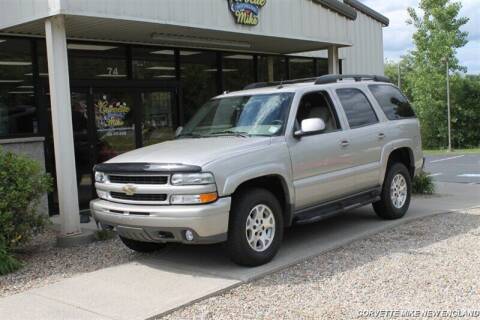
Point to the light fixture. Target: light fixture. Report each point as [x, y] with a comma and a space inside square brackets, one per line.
[299, 60]
[89, 47]
[41, 74]
[107, 75]
[224, 70]
[175, 38]
[161, 68]
[171, 52]
[11, 81]
[25, 87]
[21, 92]
[240, 57]
[15, 63]
[2, 40]
[164, 77]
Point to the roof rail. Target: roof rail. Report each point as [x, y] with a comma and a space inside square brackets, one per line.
[333, 78]
[326, 79]
[259, 85]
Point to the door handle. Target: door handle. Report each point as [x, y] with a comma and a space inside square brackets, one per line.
[344, 143]
[381, 136]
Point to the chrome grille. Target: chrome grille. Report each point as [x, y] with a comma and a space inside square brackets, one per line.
[139, 196]
[138, 179]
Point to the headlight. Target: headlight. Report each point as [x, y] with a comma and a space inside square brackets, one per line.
[100, 177]
[185, 179]
[194, 198]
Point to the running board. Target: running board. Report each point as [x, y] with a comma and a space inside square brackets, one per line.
[331, 208]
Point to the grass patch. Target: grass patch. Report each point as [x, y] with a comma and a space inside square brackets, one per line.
[8, 263]
[104, 235]
[454, 152]
[423, 184]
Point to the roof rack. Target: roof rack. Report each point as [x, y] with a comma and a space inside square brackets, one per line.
[259, 85]
[333, 78]
[326, 79]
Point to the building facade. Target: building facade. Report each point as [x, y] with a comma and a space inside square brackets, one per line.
[83, 81]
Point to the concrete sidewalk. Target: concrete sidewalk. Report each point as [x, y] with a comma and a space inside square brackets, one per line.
[179, 275]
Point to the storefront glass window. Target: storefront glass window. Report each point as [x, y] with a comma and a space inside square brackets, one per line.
[322, 67]
[199, 79]
[97, 61]
[153, 63]
[272, 68]
[238, 71]
[301, 68]
[17, 104]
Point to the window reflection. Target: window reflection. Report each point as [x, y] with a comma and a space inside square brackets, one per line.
[238, 71]
[272, 68]
[95, 61]
[158, 123]
[199, 79]
[17, 104]
[301, 68]
[153, 63]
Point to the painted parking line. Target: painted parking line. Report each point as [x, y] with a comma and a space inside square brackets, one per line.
[446, 159]
[435, 174]
[469, 175]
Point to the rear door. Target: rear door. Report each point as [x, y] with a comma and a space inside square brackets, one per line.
[366, 136]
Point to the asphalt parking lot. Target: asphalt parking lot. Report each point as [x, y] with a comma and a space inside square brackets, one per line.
[457, 168]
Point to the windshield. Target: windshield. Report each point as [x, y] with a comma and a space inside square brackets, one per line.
[254, 115]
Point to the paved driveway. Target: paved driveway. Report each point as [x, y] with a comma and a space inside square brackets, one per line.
[463, 168]
[180, 275]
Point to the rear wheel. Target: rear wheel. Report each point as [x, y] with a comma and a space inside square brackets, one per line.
[256, 228]
[396, 193]
[140, 246]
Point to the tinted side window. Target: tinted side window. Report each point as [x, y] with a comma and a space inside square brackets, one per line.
[392, 101]
[358, 109]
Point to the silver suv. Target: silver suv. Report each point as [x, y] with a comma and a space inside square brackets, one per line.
[251, 163]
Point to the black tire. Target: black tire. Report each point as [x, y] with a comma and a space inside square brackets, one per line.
[238, 247]
[140, 246]
[385, 208]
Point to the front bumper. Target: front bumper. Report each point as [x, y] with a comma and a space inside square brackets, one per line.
[209, 223]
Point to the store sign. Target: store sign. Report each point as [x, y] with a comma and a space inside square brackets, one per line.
[246, 11]
[111, 114]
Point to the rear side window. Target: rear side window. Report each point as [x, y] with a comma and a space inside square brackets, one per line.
[392, 102]
[358, 109]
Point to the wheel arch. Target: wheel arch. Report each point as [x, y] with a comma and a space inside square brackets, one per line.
[277, 185]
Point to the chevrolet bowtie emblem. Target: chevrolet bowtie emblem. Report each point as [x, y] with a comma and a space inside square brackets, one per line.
[129, 190]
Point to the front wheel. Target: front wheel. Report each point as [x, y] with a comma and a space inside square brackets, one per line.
[255, 229]
[396, 193]
[140, 246]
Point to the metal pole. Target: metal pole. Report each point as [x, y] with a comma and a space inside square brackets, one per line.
[448, 108]
[399, 77]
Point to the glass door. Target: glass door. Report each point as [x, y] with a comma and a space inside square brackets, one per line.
[159, 121]
[114, 122]
[82, 142]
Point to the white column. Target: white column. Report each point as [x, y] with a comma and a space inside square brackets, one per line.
[62, 125]
[333, 61]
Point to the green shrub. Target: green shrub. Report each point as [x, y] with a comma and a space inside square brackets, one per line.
[423, 184]
[22, 185]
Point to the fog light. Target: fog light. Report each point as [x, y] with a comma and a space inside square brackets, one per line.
[189, 235]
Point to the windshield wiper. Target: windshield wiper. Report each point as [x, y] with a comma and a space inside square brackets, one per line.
[231, 133]
[190, 135]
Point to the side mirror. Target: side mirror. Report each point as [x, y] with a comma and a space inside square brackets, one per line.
[178, 131]
[310, 126]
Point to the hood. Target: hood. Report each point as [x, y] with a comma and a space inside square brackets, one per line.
[192, 151]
